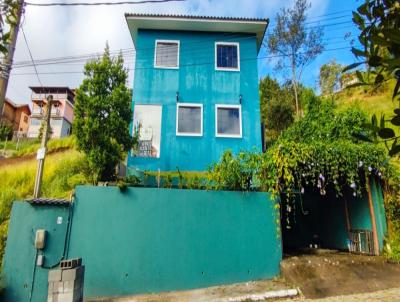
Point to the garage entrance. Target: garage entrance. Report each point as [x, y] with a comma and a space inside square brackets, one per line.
[347, 223]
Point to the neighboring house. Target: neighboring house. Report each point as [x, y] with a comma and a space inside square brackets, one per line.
[16, 115]
[62, 110]
[348, 79]
[195, 91]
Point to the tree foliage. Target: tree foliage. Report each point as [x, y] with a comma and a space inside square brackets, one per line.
[329, 77]
[296, 44]
[276, 102]
[103, 114]
[8, 15]
[379, 25]
[318, 151]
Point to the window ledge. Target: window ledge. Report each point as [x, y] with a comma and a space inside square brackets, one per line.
[190, 134]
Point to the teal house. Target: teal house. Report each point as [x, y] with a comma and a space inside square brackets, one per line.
[195, 91]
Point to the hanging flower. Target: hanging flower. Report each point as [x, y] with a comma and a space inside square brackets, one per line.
[353, 185]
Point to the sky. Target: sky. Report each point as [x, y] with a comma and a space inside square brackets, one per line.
[68, 31]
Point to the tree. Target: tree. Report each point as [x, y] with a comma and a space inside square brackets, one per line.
[276, 105]
[103, 114]
[379, 23]
[295, 43]
[329, 77]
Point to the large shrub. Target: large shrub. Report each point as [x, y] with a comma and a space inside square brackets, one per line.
[103, 114]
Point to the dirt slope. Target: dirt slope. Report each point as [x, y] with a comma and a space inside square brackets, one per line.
[333, 274]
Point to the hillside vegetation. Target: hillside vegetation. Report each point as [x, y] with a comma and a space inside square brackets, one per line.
[372, 102]
[62, 172]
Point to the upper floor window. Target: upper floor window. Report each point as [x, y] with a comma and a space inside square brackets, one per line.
[227, 56]
[189, 119]
[166, 54]
[228, 121]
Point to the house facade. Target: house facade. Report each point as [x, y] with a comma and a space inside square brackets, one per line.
[62, 111]
[195, 91]
[16, 115]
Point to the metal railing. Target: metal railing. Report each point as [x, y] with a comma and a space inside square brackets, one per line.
[361, 241]
[41, 111]
[56, 96]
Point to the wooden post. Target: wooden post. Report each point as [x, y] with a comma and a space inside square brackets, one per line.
[373, 218]
[8, 58]
[42, 150]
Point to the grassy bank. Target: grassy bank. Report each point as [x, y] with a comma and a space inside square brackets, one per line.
[62, 172]
[29, 147]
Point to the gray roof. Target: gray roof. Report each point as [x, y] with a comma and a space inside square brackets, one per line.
[220, 18]
[253, 26]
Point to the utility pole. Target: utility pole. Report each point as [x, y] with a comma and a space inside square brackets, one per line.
[5, 67]
[41, 154]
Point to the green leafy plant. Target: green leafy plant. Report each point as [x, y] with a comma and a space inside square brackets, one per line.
[318, 151]
[103, 114]
[8, 15]
[379, 25]
[5, 131]
[234, 173]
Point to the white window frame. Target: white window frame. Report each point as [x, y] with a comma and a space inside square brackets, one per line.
[216, 56]
[217, 106]
[194, 105]
[155, 54]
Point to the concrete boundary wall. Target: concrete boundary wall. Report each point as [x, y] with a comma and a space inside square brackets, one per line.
[148, 240]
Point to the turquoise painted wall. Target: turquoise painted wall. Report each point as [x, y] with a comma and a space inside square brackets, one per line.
[19, 268]
[151, 240]
[197, 82]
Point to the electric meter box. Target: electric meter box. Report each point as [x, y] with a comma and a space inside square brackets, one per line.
[40, 239]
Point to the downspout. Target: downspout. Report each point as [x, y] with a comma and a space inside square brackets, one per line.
[373, 218]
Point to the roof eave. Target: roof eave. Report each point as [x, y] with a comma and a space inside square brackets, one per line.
[201, 19]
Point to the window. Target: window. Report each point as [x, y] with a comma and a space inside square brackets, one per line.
[147, 122]
[55, 122]
[228, 121]
[227, 56]
[189, 119]
[166, 54]
[36, 122]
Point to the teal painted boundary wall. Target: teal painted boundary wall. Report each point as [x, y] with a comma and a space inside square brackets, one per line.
[325, 216]
[148, 240]
[19, 268]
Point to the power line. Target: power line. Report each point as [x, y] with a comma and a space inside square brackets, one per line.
[184, 65]
[30, 54]
[131, 52]
[99, 3]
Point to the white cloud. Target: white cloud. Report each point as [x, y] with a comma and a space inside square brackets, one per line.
[61, 31]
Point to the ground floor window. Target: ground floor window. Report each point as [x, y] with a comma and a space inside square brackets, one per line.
[147, 121]
[228, 121]
[189, 119]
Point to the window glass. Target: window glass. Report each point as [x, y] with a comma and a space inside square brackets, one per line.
[167, 54]
[35, 122]
[147, 122]
[227, 56]
[189, 119]
[228, 121]
[55, 122]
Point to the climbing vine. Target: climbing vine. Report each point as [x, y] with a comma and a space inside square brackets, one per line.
[317, 151]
